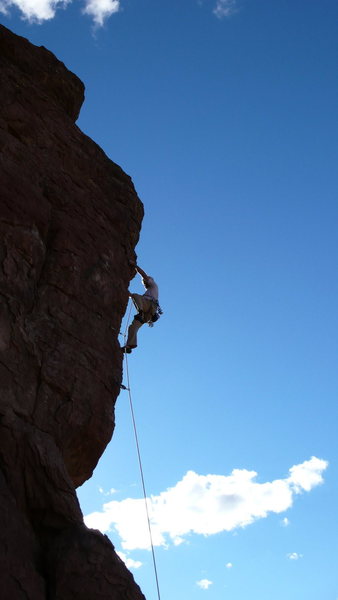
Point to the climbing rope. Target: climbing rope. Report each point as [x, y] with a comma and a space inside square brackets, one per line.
[140, 459]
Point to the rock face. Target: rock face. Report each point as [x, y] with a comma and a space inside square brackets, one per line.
[69, 222]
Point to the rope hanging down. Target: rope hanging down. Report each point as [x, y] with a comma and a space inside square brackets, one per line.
[139, 459]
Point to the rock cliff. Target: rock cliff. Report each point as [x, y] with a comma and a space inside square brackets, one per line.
[69, 222]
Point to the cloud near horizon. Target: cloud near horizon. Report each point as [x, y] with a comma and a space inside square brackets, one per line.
[129, 562]
[294, 556]
[204, 584]
[205, 505]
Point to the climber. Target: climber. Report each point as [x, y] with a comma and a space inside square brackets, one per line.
[148, 309]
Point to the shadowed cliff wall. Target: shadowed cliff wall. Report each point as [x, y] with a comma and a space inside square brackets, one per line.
[69, 222]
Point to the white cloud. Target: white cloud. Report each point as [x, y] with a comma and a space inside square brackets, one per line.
[34, 10]
[204, 584]
[178, 541]
[37, 11]
[101, 10]
[204, 504]
[110, 492]
[229, 565]
[294, 556]
[307, 475]
[129, 562]
[42, 10]
[285, 522]
[225, 8]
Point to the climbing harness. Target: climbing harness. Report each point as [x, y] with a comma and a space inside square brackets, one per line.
[141, 316]
[157, 314]
[140, 459]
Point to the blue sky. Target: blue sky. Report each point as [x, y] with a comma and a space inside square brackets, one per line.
[224, 115]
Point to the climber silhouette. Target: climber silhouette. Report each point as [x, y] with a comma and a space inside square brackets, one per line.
[148, 309]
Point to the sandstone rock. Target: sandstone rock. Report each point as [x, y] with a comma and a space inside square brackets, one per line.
[69, 222]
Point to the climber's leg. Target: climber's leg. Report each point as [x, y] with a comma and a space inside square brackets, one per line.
[132, 331]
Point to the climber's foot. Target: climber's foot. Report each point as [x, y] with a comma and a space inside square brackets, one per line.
[126, 349]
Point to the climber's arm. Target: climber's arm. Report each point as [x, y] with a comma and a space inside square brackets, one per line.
[141, 272]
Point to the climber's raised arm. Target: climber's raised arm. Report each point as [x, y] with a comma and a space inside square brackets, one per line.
[141, 272]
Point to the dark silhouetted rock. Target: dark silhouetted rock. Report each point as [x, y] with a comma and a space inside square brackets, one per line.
[69, 222]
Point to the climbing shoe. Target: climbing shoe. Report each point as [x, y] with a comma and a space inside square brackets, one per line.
[126, 349]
